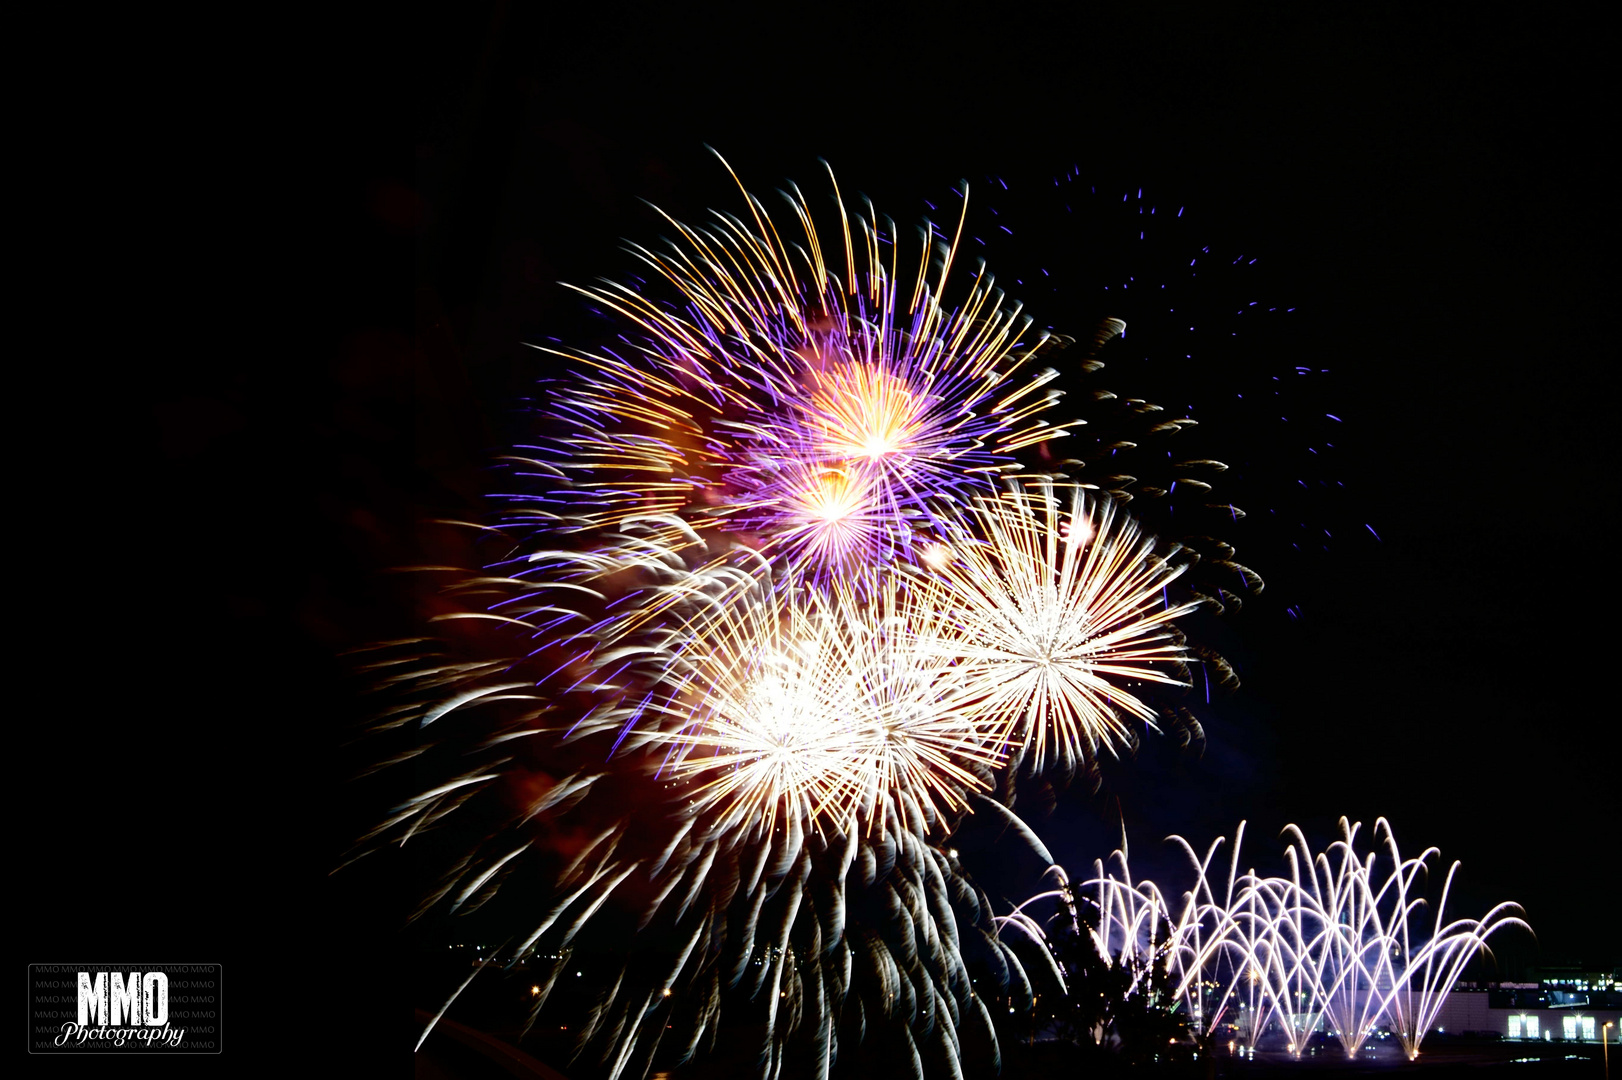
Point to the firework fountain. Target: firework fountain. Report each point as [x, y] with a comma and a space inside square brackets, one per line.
[1342, 942]
[776, 597]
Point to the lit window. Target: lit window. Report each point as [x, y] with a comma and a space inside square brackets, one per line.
[1531, 1027]
[1568, 1027]
[1588, 1026]
[1514, 1027]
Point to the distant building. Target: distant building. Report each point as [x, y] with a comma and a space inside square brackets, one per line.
[1566, 1004]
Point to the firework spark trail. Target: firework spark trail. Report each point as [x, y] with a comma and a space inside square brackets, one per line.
[1198, 310]
[773, 609]
[1331, 943]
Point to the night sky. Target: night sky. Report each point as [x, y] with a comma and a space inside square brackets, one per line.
[1424, 192]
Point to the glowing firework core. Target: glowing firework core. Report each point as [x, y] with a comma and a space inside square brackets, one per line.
[863, 411]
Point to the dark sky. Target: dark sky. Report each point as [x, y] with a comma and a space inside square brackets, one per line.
[1424, 190]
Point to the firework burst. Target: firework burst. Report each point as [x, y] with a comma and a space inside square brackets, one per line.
[819, 703]
[816, 406]
[1051, 606]
[779, 603]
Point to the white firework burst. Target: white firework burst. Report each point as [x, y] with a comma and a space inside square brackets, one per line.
[1049, 608]
[813, 705]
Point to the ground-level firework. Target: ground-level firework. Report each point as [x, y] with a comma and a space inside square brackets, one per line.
[1343, 942]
